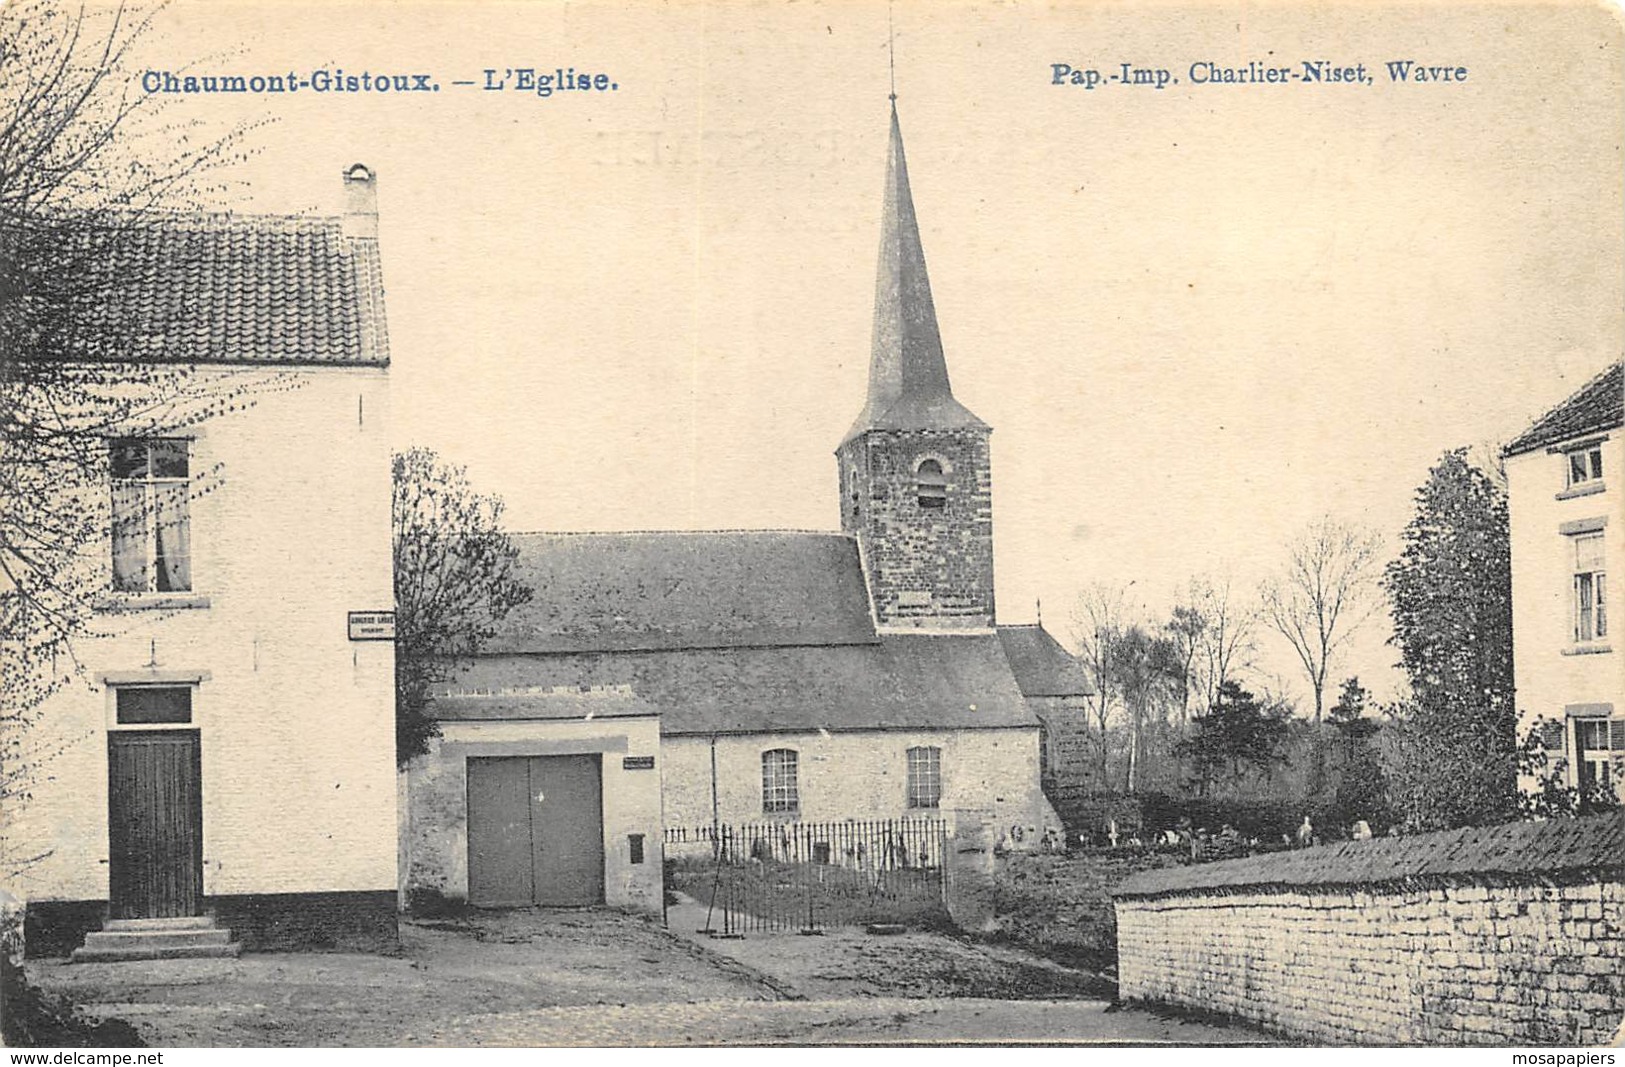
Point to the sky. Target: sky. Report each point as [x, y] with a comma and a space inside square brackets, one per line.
[1196, 317]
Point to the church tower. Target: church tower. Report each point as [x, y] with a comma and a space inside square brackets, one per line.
[916, 481]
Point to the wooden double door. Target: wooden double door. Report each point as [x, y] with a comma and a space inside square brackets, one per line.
[155, 823]
[535, 830]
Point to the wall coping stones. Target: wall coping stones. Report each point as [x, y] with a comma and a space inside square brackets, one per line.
[1551, 848]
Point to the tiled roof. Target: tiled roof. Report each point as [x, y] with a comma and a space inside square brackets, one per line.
[731, 589]
[1042, 667]
[231, 289]
[1599, 405]
[1515, 849]
[902, 681]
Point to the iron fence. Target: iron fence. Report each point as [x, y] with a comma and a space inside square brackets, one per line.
[806, 876]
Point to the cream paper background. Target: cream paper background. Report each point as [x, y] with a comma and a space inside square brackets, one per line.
[1196, 318]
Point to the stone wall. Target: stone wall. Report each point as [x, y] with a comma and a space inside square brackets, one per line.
[1509, 935]
[860, 775]
[1070, 755]
[927, 567]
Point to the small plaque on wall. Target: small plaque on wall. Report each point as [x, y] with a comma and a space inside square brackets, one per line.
[637, 763]
[372, 626]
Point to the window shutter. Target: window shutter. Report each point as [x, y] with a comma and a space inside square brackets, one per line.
[1616, 734]
[1551, 735]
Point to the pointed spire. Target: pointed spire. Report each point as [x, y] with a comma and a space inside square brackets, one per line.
[908, 376]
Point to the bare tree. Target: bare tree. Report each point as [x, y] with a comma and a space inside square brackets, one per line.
[1097, 623]
[1187, 629]
[1228, 640]
[1324, 593]
[87, 166]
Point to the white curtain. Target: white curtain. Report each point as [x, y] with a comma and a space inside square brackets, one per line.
[174, 539]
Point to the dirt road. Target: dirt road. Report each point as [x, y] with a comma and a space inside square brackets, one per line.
[599, 977]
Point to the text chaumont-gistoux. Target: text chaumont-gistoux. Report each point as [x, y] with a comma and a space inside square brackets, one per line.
[535, 81]
[1258, 72]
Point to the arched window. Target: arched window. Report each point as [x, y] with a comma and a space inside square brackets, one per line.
[924, 777]
[781, 791]
[931, 484]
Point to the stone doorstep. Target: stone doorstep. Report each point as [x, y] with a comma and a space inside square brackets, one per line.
[189, 952]
[192, 937]
[181, 922]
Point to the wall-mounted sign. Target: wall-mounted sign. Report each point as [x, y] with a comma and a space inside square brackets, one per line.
[372, 626]
[637, 763]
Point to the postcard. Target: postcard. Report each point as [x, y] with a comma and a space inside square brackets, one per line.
[629, 524]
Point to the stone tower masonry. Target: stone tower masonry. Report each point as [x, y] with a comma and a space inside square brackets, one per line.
[916, 480]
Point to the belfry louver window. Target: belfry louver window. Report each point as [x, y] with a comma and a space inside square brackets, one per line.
[931, 484]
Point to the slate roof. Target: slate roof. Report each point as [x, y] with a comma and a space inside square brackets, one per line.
[908, 375]
[729, 589]
[1598, 405]
[1042, 667]
[899, 681]
[230, 289]
[1517, 849]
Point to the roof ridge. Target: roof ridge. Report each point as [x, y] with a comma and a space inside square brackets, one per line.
[644, 533]
[138, 217]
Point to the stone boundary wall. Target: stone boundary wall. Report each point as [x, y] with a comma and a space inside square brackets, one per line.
[1505, 935]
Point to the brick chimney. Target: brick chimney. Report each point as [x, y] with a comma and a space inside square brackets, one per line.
[360, 202]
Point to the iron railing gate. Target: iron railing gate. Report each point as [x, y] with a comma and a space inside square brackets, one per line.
[806, 876]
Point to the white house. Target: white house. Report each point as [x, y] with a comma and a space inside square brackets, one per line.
[1566, 483]
[227, 771]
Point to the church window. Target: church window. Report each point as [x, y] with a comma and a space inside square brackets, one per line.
[924, 777]
[781, 792]
[931, 484]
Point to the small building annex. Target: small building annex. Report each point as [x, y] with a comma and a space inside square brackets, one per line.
[660, 681]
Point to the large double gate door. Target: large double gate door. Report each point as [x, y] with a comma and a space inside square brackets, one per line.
[535, 831]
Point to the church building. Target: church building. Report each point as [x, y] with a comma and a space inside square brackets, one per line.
[670, 680]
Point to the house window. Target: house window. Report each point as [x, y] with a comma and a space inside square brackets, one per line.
[150, 705]
[924, 777]
[1599, 748]
[780, 788]
[1590, 589]
[1585, 465]
[152, 530]
[931, 485]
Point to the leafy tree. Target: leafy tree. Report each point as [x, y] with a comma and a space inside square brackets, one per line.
[1362, 784]
[1145, 669]
[1237, 737]
[1451, 590]
[454, 583]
